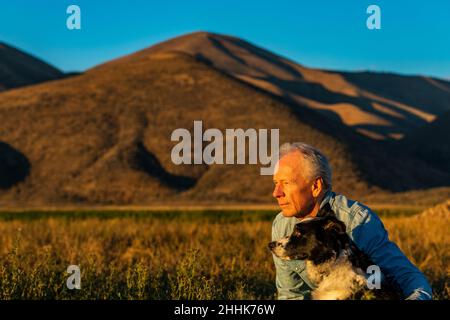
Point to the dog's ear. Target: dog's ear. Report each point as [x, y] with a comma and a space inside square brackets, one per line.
[335, 233]
[332, 224]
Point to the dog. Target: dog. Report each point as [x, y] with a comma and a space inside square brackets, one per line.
[333, 263]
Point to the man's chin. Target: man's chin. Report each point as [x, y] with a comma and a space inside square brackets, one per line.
[288, 213]
[291, 213]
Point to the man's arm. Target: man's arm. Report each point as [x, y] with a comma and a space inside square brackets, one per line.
[371, 237]
[290, 286]
[288, 281]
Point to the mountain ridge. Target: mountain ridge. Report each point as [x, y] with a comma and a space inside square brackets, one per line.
[103, 137]
[18, 69]
[345, 96]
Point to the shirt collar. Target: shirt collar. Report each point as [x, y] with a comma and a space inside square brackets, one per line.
[326, 198]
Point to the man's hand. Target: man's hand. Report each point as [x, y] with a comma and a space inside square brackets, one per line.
[419, 294]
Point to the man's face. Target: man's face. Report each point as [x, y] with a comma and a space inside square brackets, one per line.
[293, 189]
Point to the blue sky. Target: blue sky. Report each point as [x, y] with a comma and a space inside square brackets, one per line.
[414, 38]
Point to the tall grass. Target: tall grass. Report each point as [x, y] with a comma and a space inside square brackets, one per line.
[147, 257]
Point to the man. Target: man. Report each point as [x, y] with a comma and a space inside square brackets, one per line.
[302, 186]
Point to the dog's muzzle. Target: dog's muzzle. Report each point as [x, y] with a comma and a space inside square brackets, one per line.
[276, 245]
[272, 245]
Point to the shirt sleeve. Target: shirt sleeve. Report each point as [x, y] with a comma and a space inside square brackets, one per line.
[290, 286]
[371, 237]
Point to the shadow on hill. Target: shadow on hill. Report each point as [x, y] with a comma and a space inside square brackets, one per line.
[409, 90]
[71, 74]
[319, 93]
[386, 164]
[14, 166]
[431, 142]
[18, 69]
[254, 50]
[144, 160]
[423, 93]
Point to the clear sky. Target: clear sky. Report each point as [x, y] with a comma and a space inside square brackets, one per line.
[414, 36]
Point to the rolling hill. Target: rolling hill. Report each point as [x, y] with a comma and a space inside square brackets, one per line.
[103, 137]
[18, 69]
[431, 142]
[377, 105]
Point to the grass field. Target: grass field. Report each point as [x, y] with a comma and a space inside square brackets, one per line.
[174, 255]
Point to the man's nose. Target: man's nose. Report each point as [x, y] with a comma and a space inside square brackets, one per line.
[278, 192]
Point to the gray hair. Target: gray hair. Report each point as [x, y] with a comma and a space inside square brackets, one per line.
[318, 163]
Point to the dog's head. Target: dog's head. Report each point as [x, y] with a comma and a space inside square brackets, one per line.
[316, 239]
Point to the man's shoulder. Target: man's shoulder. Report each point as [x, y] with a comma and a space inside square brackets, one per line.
[349, 211]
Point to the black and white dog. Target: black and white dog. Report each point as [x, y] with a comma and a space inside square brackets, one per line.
[333, 262]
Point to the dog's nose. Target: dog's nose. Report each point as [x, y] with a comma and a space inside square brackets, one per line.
[272, 245]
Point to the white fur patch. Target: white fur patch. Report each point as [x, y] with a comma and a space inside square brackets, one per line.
[283, 241]
[336, 279]
[279, 250]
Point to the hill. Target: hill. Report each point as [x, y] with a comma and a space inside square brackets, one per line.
[431, 142]
[103, 137]
[378, 105]
[18, 69]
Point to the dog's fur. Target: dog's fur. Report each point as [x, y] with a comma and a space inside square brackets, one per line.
[333, 263]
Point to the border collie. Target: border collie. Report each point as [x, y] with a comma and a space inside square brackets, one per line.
[333, 263]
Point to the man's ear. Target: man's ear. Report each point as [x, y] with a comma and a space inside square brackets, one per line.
[317, 187]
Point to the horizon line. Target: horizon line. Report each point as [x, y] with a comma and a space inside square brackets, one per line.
[327, 69]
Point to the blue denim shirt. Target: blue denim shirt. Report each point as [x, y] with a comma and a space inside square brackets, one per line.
[368, 234]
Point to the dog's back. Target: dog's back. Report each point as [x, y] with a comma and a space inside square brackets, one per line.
[347, 274]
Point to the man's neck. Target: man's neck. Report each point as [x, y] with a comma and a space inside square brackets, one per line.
[315, 210]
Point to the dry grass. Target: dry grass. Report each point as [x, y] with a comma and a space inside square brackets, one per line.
[151, 258]
[135, 259]
[425, 239]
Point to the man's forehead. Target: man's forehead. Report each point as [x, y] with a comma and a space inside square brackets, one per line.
[288, 164]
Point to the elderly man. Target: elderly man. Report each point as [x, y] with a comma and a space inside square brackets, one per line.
[302, 186]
